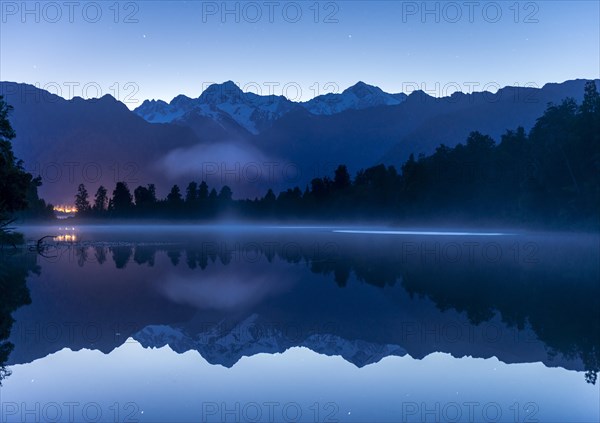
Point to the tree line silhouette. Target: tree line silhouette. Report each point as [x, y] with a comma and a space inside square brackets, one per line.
[549, 175]
[14, 270]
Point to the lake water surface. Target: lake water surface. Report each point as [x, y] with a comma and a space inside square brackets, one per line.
[314, 324]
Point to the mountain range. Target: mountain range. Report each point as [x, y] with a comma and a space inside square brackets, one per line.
[226, 345]
[225, 134]
[254, 113]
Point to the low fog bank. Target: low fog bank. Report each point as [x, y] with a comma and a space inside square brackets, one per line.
[234, 224]
[248, 171]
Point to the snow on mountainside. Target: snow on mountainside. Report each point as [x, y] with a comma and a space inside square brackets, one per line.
[226, 345]
[253, 112]
[220, 102]
[358, 97]
[158, 111]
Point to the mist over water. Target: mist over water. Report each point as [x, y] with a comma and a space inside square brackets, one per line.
[231, 303]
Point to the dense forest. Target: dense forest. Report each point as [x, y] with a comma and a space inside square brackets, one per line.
[548, 176]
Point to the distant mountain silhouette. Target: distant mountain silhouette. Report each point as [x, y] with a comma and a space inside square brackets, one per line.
[360, 127]
[100, 140]
[224, 103]
[254, 113]
[453, 118]
[359, 96]
[389, 134]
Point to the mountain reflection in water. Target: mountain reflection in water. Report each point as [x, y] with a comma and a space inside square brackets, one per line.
[229, 294]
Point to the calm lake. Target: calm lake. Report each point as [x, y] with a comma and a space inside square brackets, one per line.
[314, 324]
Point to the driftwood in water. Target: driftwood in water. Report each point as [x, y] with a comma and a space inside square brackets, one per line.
[39, 246]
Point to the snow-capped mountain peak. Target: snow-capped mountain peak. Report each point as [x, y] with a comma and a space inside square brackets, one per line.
[158, 111]
[357, 97]
[227, 92]
[225, 344]
[226, 102]
[182, 101]
[362, 90]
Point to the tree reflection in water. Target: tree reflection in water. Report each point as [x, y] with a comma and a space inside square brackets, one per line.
[15, 266]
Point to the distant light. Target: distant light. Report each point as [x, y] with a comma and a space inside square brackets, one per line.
[65, 209]
[428, 233]
[66, 238]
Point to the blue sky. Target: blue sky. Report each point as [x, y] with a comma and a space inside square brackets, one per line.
[153, 49]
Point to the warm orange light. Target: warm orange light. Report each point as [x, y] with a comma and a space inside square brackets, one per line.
[65, 209]
[66, 238]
